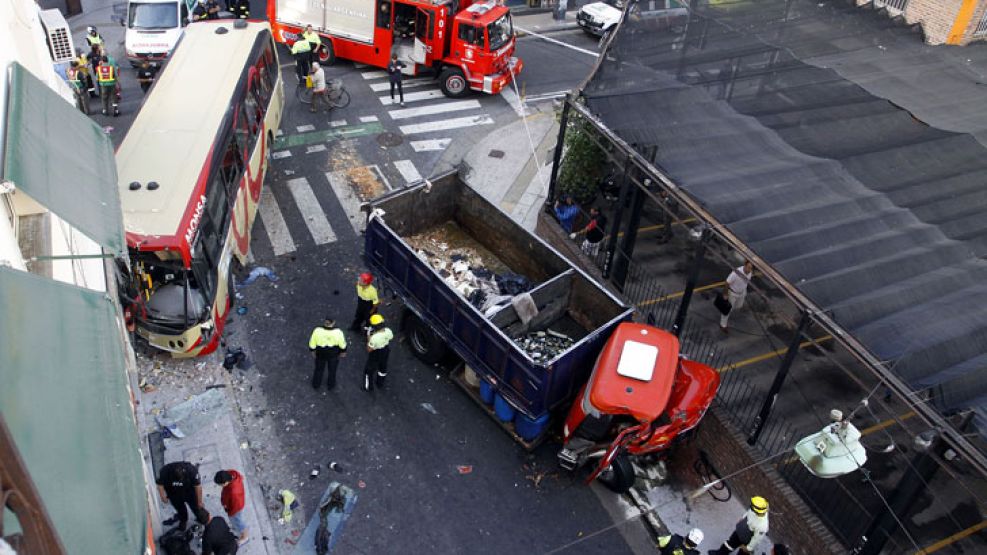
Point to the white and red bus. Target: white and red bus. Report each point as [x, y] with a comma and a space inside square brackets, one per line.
[191, 170]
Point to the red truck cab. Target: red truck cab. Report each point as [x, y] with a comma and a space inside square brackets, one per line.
[481, 51]
[640, 397]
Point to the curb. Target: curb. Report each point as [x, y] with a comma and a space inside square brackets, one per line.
[652, 522]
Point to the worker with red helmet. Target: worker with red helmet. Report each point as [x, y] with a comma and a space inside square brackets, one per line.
[366, 301]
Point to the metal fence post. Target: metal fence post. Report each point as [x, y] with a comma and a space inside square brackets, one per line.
[557, 155]
[786, 364]
[690, 283]
[618, 215]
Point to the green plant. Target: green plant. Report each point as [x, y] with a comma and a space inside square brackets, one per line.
[583, 163]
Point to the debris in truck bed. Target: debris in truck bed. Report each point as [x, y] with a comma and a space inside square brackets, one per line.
[543, 346]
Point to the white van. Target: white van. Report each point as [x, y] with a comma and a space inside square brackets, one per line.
[153, 29]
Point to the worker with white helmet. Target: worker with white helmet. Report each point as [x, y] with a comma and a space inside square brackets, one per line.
[674, 544]
[750, 530]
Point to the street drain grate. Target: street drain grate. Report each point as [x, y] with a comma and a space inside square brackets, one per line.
[389, 139]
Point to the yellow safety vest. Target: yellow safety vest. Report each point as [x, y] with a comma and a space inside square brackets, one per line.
[106, 74]
[367, 293]
[301, 47]
[312, 38]
[380, 339]
[94, 40]
[322, 337]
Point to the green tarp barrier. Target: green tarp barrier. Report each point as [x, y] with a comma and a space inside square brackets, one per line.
[61, 159]
[64, 395]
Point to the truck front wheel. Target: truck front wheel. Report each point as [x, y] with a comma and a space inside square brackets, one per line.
[619, 476]
[427, 346]
[453, 82]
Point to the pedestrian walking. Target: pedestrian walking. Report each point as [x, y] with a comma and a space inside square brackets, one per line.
[674, 544]
[378, 350]
[74, 75]
[366, 301]
[566, 212]
[109, 88]
[302, 52]
[233, 499]
[178, 483]
[145, 75]
[593, 232]
[217, 539]
[239, 8]
[749, 531]
[327, 344]
[394, 74]
[320, 93]
[735, 290]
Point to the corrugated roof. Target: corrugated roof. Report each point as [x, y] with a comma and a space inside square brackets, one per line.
[842, 150]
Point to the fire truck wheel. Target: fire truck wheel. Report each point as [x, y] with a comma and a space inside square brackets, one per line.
[619, 476]
[327, 56]
[427, 346]
[453, 82]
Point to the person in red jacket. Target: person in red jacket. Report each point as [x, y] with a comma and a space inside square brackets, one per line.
[232, 499]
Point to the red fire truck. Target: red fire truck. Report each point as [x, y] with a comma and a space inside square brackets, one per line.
[466, 44]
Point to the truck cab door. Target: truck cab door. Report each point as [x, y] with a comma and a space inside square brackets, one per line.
[423, 36]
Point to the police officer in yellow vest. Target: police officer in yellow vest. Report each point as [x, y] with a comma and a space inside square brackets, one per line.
[106, 76]
[378, 350]
[327, 345]
[74, 75]
[302, 51]
[95, 41]
[314, 42]
[366, 301]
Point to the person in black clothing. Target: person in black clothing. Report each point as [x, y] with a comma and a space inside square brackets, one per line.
[178, 483]
[239, 8]
[217, 539]
[594, 232]
[145, 75]
[394, 73]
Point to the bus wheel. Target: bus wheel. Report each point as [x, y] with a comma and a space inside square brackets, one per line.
[453, 82]
[619, 476]
[327, 56]
[427, 346]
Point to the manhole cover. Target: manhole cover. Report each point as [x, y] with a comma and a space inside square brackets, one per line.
[496, 154]
[389, 139]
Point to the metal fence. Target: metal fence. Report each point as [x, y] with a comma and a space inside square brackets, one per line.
[892, 5]
[981, 30]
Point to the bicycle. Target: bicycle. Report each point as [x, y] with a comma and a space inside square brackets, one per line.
[338, 95]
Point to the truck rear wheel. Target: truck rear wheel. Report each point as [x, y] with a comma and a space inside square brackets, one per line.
[427, 346]
[327, 56]
[453, 82]
[619, 476]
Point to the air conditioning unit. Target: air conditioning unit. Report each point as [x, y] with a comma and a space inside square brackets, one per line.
[58, 36]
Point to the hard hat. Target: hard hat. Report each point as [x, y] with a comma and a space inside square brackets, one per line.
[91, 29]
[366, 278]
[376, 319]
[759, 505]
[695, 537]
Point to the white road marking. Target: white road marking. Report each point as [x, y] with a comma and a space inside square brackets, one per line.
[304, 128]
[408, 171]
[368, 119]
[380, 174]
[277, 230]
[407, 84]
[444, 124]
[279, 132]
[412, 97]
[281, 154]
[308, 205]
[315, 148]
[558, 42]
[347, 199]
[374, 74]
[545, 96]
[430, 144]
[337, 123]
[508, 94]
[358, 65]
[442, 108]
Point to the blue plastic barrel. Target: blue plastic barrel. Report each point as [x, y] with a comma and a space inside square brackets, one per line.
[530, 428]
[486, 392]
[503, 409]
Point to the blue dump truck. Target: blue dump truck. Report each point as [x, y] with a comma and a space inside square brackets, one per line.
[526, 323]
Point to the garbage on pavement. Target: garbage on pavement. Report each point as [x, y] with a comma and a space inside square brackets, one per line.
[288, 504]
[257, 273]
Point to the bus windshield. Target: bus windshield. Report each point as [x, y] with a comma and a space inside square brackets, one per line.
[151, 16]
[173, 299]
[500, 31]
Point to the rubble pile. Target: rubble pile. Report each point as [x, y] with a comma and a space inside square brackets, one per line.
[543, 346]
[469, 268]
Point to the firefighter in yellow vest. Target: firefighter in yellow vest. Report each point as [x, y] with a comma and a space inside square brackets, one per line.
[366, 301]
[302, 51]
[327, 344]
[109, 91]
[378, 350]
[239, 8]
[74, 75]
[87, 75]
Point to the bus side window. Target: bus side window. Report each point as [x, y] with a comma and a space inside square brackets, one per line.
[251, 111]
[231, 169]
